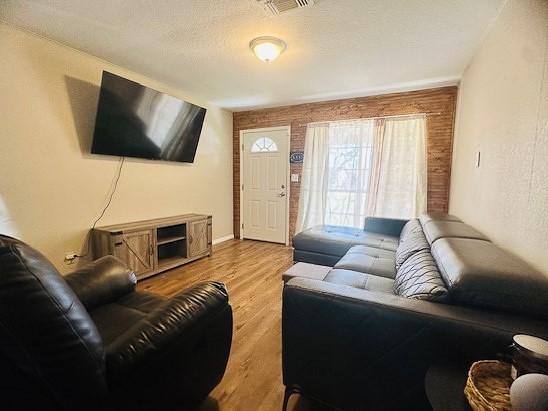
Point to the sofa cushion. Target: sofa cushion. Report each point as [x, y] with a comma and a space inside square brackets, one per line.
[369, 260]
[123, 313]
[418, 277]
[336, 240]
[371, 251]
[434, 230]
[360, 280]
[412, 240]
[480, 273]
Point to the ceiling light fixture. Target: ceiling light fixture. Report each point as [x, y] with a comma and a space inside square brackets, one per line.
[267, 48]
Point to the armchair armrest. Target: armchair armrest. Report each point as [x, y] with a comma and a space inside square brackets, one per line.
[102, 281]
[385, 342]
[170, 325]
[387, 226]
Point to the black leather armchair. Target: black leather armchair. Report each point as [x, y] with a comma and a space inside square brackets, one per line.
[90, 341]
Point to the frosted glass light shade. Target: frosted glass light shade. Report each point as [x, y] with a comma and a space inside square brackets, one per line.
[267, 49]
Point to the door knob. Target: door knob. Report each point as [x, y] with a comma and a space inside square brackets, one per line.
[282, 194]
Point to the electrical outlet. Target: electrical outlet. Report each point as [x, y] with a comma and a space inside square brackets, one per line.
[70, 257]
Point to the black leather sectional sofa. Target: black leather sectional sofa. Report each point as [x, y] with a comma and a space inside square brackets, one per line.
[401, 296]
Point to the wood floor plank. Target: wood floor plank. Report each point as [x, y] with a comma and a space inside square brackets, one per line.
[252, 271]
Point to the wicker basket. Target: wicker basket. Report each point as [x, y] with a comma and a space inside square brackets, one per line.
[488, 386]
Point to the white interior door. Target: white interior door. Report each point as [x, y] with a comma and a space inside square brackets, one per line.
[265, 184]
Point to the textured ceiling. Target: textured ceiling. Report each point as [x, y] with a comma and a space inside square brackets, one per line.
[337, 48]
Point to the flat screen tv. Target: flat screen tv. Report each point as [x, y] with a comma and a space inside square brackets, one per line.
[137, 121]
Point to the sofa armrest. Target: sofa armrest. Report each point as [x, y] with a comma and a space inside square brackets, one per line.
[387, 226]
[409, 308]
[102, 281]
[384, 342]
[168, 327]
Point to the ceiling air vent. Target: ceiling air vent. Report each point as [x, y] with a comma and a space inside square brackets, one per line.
[281, 6]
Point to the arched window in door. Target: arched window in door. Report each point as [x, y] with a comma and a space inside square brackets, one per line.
[264, 145]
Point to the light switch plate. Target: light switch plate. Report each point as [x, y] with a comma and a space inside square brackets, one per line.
[294, 178]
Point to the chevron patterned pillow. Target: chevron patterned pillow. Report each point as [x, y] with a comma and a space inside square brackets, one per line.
[411, 227]
[412, 240]
[418, 277]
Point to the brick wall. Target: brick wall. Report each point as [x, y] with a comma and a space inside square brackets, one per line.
[439, 139]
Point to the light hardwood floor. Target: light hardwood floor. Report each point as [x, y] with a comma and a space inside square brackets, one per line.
[252, 272]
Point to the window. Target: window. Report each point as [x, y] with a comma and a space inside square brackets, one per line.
[349, 162]
[264, 145]
[349, 165]
[358, 168]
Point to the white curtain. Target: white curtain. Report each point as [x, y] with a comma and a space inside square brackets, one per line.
[357, 168]
[401, 186]
[313, 198]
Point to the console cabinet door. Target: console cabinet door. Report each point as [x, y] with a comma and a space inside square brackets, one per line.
[136, 250]
[197, 238]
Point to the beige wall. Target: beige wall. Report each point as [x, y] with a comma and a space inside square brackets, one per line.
[53, 189]
[503, 112]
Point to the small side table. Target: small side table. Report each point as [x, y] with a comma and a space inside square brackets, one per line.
[444, 386]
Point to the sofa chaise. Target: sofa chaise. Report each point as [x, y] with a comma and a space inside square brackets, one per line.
[360, 332]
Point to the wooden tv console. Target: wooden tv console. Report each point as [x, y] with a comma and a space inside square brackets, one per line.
[152, 246]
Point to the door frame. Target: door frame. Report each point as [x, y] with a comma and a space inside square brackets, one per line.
[288, 175]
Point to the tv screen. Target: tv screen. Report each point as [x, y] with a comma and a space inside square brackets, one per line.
[137, 121]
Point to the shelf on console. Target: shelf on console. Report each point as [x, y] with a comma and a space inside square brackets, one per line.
[170, 261]
[167, 240]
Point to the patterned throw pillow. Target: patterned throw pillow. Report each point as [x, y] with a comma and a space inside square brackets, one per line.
[412, 240]
[419, 278]
[411, 227]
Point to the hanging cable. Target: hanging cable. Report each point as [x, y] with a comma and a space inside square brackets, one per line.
[105, 208]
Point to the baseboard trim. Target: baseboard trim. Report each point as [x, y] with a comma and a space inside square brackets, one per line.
[223, 239]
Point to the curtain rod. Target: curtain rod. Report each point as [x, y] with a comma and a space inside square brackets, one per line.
[369, 118]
